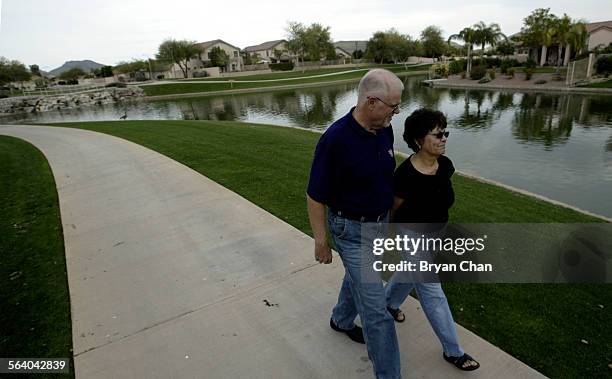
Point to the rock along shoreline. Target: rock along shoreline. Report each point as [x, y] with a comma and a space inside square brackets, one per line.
[37, 104]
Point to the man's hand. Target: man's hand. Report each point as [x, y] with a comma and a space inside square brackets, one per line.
[323, 252]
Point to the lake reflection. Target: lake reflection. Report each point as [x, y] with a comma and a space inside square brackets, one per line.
[557, 145]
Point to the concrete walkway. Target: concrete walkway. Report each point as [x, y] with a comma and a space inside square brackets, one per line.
[173, 276]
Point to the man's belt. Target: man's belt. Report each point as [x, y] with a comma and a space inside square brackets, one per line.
[359, 217]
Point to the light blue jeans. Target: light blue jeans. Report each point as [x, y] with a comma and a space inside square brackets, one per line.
[364, 297]
[432, 298]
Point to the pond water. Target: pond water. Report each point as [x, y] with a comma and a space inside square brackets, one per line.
[556, 145]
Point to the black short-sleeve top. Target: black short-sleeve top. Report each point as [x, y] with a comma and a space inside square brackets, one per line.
[427, 198]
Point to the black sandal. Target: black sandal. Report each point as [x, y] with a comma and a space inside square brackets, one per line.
[397, 314]
[460, 361]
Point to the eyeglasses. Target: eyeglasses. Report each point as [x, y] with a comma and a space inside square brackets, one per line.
[439, 135]
[394, 107]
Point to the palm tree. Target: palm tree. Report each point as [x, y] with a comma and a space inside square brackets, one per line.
[562, 35]
[577, 39]
[488, 35]
[467, 35]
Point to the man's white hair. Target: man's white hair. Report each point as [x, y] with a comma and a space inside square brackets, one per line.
[378, 83]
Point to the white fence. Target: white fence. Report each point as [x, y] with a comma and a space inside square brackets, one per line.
[580, 70]
[63, 90]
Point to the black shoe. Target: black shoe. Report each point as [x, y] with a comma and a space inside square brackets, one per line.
[356, 334]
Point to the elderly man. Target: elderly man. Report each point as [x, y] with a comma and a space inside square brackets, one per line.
[352, 176]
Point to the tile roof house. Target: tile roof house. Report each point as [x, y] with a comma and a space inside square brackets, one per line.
[350, 47]
[266, 51]
[600, 34]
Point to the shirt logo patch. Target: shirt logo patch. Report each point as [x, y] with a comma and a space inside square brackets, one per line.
[390, 153]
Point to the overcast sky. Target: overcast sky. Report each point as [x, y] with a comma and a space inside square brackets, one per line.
[48, 33]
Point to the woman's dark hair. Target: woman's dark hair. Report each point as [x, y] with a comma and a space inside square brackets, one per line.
[420, 123]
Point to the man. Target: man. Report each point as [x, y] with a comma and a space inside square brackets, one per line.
[352, 178]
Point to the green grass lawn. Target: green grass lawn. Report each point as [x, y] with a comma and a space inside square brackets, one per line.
[606, 84]
[542, 325]
[179, 87]
[35, 312]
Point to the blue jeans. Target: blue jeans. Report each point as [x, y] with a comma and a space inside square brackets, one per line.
[364, 297]
[432, 298]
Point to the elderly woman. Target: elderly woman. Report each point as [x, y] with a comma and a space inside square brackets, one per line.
[423, 196]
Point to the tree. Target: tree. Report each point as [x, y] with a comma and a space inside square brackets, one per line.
[72, 75]
[5, 71]
[468, 36]
[246, 56]
[310, 43]
[13, 71]
[577, 39]
[277, 54]
[487, 35]
[35, 70]
[538, 30]
[377, 47]
[505, 48]
[218, 57]
[179, 52]
[317, 42]
[391, 46]
[296, 39]
[432, 42]
[106, 71]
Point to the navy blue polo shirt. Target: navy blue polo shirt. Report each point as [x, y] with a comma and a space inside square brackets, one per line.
[352, 169]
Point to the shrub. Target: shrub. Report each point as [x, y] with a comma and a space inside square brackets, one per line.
[478, 72]
[530, 63]
[540, 81]
[505, 65]
[492, 62]
[456, 67]
[462, 74]
[510, 73]
[491, 73]
[528, 72]
[604, 64]
[440, 70]
[115, 84]
[288, 66]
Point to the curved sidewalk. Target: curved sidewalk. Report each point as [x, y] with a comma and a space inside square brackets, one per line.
[173, 276]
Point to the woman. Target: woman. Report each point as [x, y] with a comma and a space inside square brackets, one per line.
[423, 195]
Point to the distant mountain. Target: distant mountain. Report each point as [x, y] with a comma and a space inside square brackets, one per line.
[85, 65]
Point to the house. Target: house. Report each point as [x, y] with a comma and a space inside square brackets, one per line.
[270, 52]
[600, 34]
[203, 60]
[349, 47]
[341, 53]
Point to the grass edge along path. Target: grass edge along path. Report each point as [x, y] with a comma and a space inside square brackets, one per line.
[35, 312]
[542, 325]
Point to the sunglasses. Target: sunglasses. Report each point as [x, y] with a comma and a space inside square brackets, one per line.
[439, 135]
